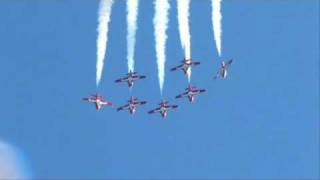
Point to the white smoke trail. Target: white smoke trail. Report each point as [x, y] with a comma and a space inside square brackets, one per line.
[132, 13]
[13, 164]
[160, 22]
[216, 23]
[102, 40]
[183, 20]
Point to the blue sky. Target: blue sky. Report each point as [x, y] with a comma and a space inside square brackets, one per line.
[261, 122]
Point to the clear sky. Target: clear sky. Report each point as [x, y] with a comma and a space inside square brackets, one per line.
[261, 122]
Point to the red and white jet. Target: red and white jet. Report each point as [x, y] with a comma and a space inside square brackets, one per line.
[98, 100]
[163, 108]
[130, 78]
[186, 64]
[222, 73]
[132, 105]
[191, 92]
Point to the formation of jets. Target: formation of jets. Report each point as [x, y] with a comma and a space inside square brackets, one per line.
[190, 92]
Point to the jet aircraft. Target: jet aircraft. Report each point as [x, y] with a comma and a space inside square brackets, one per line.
[190, 93]
[186, 65]
[163, 108]
[130, 78]
[98, 100]
[222, 73]
[131, 105]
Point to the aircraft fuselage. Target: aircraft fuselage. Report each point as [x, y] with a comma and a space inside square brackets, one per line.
[224, 72]
[132, 108]
[163, 111]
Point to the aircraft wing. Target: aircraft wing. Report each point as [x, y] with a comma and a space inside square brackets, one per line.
[173, 106]
[104, 102]
[154, 111]
[141, 102]
[182, 95]
[229, 62]
[217, 75]
[196, 63]
[201, 90]
[175, 68]
[89, 99]
[123, 107]
[136, 77]
[121, 80]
